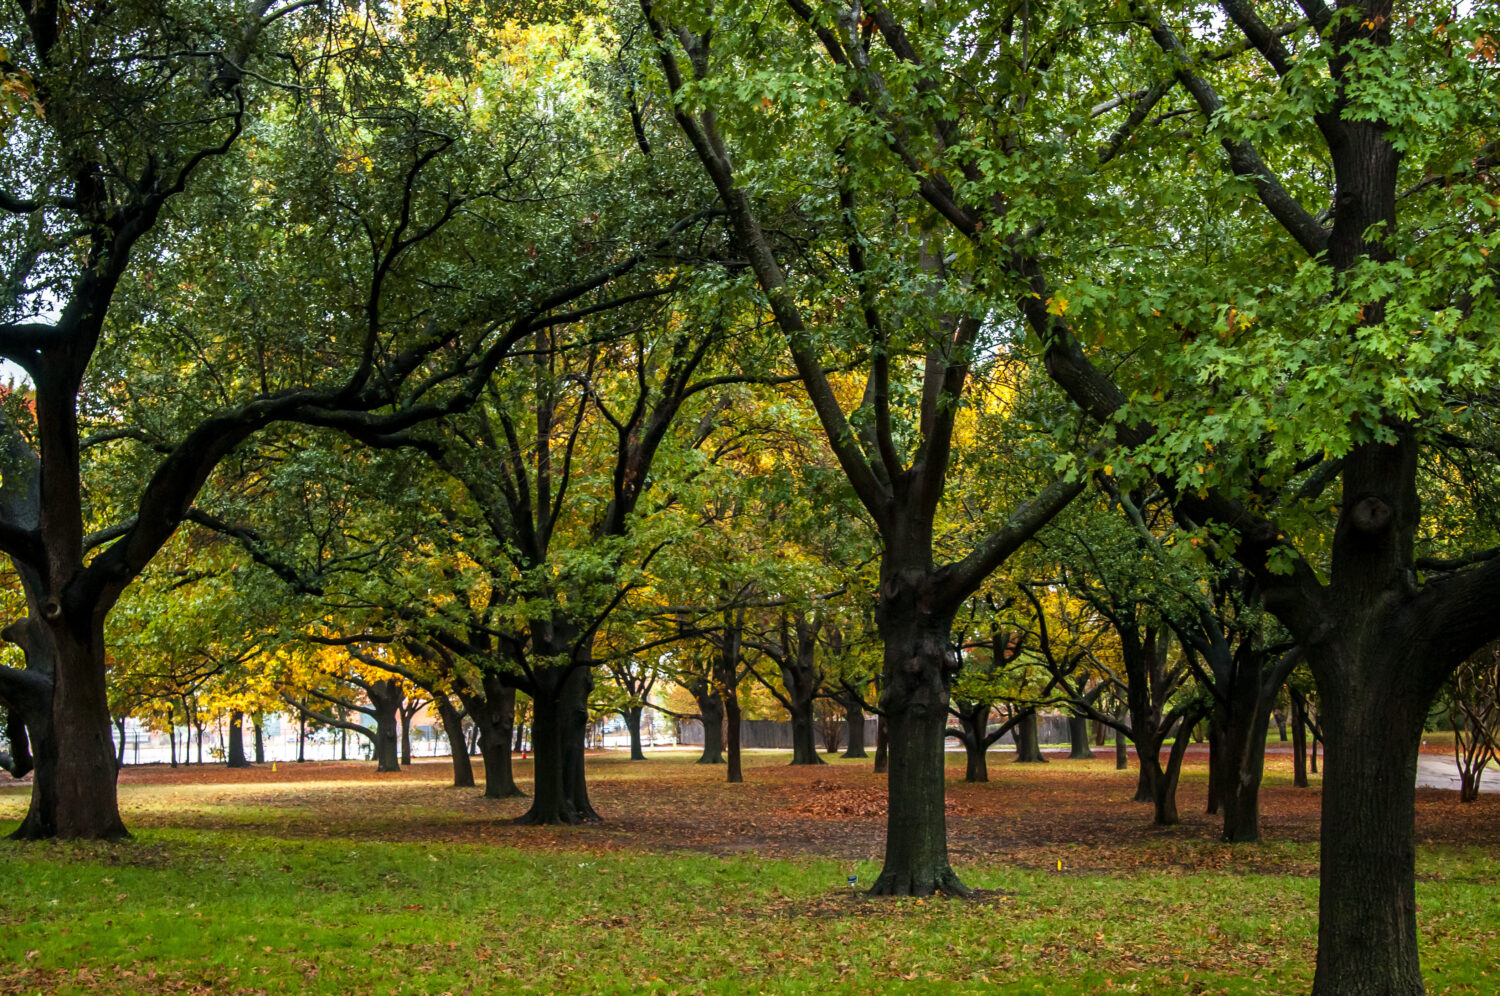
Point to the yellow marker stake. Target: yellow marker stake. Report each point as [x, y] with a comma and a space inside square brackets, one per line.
[1059, 864]
[273, 765]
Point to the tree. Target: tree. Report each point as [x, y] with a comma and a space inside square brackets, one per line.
[1474, 707]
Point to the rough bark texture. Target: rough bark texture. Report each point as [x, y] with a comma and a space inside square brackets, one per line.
[1299, 741]
[882, 746]
[560, 697]
[711, 712]
[919, 667]
[260, 743]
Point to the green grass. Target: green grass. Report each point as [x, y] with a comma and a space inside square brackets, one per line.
[259, 886]
[232, 912]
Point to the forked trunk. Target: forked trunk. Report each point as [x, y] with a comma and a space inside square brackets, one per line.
[492, 712]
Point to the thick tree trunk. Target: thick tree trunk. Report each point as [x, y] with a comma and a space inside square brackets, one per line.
[1099, 731]
[385, 699]
[632, 716]
[492, 711]
[974, 721]
[1367, 920]
[235, 757]
[1242, 718]
[882, 746]
[87, 802]
[1281, 724]
[711, 710]
[29, 693]
[919, 665]
[558, 726]
[1078, 738]
[453, 728]
[854, 716]
[1028, 746]
[260, 742]
[804, 739]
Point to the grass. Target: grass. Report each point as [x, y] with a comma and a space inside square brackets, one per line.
[238, 883]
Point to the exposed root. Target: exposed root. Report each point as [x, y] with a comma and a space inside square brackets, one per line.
[944, 883]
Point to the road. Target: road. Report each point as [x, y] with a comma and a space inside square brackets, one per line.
[1441, 773]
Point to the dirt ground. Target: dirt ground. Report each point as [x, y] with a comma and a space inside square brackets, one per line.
[1078, 812]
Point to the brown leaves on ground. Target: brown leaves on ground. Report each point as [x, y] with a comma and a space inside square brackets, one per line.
[1079, 812]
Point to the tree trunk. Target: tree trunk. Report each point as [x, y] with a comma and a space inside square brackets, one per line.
[301, 738]
[1028, 746]
[406, 718]
[1122, 752]
[30, 730]
[172, 741]
[1367, 922]
[385, 699]
[1078, 737]
[492, 710]
[260, 742]
[558, 726]
[1215, 763]
[87, 802]
[632, 716]
[711, 710]
[1099, 731]
[453, 728]
[919, 665]
[735, 772]
[1299, 742]
[854, 716]
[1281, 724]
[120, 747]
[235, 757]
[1164, 782]
[882, 746]
[1242, 717]
[974, 721]
[804, 734]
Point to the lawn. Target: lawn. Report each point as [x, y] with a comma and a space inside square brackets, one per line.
[328, 878]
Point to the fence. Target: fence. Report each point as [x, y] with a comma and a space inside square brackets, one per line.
[777, 734]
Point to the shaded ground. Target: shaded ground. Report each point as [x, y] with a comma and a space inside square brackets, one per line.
[1077, 812]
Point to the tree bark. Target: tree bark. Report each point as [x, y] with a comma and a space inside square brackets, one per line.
[1299, 742]
[301, 738]
[559, 704]
[854, 716]
[119, 722]
[711, 711]
[385, 701]
[453, 728]
[492, 710]
[1028, 746]
[632, 716]
[87, 802]
[405, 718]
[882, 746]
[1367, 922]
[918, 670]
[1078, 737]
[260, 742]
[804, 734]
[235, 756]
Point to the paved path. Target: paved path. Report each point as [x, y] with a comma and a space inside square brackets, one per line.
[1441, 773]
